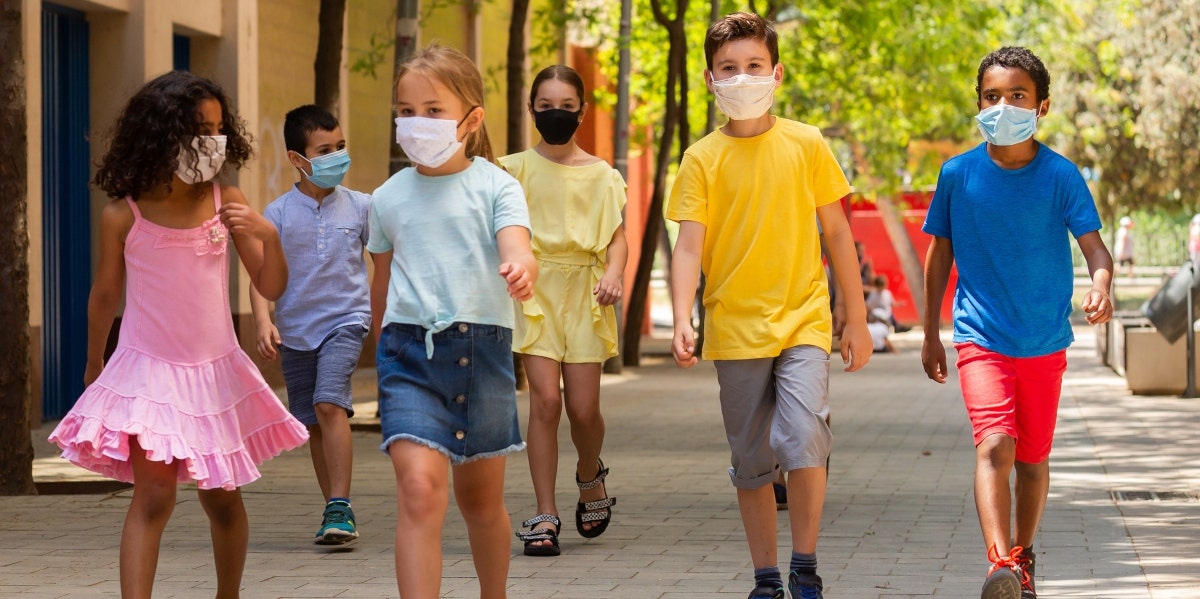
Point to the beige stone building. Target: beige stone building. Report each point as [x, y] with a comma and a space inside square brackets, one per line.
[84, 58]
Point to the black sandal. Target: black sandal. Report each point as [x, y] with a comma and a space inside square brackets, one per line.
[599, 511]
[541, 534]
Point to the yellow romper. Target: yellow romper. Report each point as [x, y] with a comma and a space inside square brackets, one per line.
[574, 211]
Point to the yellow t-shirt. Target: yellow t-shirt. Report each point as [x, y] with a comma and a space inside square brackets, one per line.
[765, 288]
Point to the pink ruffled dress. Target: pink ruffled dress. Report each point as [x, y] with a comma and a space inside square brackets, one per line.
[178, 380]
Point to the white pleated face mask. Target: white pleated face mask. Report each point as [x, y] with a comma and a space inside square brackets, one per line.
[426, 141]
[210, 157]
[743, 97]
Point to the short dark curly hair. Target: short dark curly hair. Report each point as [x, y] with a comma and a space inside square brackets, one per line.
[159, 119]
[1013, 57]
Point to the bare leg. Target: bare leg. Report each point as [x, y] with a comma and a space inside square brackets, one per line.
[316, 448]
[582, 385]
[338, 449]
[806, 498]
[545, 412]
[230, 531]
[154, 487]
[1033, 485]
[422, 494]
[479, 491]
[759, 519]
[994, 458]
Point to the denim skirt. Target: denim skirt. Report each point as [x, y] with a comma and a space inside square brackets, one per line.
[461, 402]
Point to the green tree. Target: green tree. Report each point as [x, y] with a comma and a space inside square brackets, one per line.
[879, 75]
[327, 67]
[1131, 100]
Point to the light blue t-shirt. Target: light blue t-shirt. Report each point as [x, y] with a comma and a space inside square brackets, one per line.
[327, 273]
[1012, 232]
[442, 232]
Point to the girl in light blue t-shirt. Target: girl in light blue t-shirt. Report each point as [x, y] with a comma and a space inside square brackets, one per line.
[450, 243]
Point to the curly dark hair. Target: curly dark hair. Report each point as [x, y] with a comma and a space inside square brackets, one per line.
[1012, 57]
[160, 119]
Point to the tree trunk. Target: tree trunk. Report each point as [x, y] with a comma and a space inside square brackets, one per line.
[406, 45]
[16, 448]
[621, 142]
[893, 223]
[327, 68]
[654, 220]
[515, 71]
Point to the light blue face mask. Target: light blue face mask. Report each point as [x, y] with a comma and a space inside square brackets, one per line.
[1004, 125]
[329, 169]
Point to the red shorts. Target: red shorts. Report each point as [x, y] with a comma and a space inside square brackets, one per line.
[1017, 397]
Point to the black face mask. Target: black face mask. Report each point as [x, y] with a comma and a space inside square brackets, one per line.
[556, 125]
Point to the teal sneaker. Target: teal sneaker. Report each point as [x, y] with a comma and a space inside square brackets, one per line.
[337, 527]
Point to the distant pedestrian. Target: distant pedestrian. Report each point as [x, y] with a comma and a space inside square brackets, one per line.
[325, 314]
[880, 319]
[1125, 245]
[1193, 242]
[569, 329]
[450, 244]
[749, 199]
[178, 401]
[1012, 301]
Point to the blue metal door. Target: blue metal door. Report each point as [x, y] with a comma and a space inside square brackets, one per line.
[66, 212]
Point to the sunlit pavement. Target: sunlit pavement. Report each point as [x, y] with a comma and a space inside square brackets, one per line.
[899, 517]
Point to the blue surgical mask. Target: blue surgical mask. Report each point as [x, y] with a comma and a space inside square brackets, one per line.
[328, 169]
[1004, 125]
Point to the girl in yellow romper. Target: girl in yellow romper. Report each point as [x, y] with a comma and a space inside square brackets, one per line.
[575, 201]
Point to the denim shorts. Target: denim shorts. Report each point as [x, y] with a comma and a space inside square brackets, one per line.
[322, 375]
[462, 402]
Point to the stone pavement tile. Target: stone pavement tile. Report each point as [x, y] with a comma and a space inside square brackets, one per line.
[899, 518]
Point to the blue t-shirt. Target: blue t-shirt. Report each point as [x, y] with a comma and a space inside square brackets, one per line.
[327, 274]
[442, 232]
[1011, 232]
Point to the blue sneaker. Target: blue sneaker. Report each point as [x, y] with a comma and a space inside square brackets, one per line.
[805, 586]
[765, 591]
[337, 527]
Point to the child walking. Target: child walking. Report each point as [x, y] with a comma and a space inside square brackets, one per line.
[323, 317]
[1005, 212]
[754, 199]
[178, 401]
[575, 201]
[450, 244]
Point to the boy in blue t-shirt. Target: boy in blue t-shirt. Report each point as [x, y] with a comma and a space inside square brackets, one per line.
[325, 314]
[1005, 212]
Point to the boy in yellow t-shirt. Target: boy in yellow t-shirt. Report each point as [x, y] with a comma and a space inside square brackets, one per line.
[753, 200]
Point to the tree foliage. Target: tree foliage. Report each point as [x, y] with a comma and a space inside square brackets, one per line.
[1131, 101]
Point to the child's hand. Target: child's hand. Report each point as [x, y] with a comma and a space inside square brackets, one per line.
[608, 290]
[268, 340]
[520, 284]
[683, 346]
[933, 358]
[241, 219]
[1098, 307]
[856, 346]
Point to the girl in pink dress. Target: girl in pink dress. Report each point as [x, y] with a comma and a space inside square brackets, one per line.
[178, 400]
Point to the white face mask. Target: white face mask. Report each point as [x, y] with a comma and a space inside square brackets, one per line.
[210, 157]
[427, 142]
[743, 97]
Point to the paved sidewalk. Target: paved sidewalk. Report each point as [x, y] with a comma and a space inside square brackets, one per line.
[899, 518]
